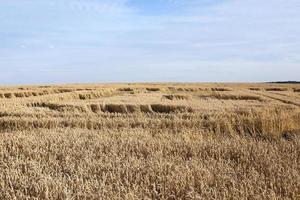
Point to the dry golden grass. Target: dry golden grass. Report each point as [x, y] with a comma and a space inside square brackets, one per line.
[150, 141]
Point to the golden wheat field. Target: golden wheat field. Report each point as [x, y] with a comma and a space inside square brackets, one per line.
[150, 141]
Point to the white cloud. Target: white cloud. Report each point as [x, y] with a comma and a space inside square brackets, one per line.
[217, 38]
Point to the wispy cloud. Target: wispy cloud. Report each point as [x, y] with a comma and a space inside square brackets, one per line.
[182, 39]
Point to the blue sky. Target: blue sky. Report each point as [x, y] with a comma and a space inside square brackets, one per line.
[67, 41]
